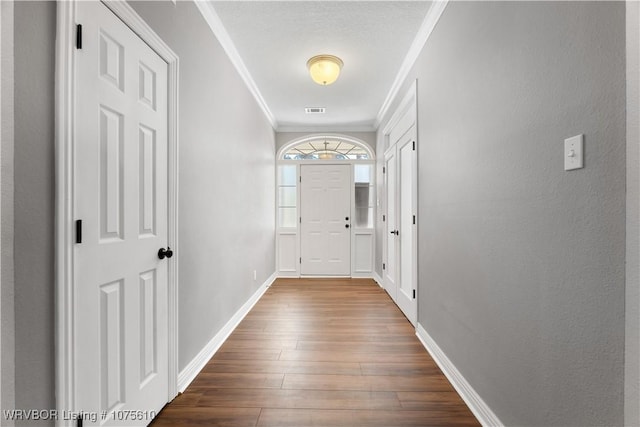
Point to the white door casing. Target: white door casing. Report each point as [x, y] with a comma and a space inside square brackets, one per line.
[117, 172]
[325, 212]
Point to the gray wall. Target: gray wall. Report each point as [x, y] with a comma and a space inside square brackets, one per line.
[34, 61]
[521, 264]
[226, 200]
[632, 311]
[227, 179]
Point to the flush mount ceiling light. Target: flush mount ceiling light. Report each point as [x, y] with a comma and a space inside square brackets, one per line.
[324, 69]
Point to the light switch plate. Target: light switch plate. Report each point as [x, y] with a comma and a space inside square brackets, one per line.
[574, 152]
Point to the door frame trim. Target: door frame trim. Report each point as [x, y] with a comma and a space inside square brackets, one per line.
[398, 125]
[64, 194]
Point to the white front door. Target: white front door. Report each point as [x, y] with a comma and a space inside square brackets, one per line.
[120, 343]
[325, 220]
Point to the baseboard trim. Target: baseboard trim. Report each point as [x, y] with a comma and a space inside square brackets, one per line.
[378, 279]
[480, 409]
[188, 374]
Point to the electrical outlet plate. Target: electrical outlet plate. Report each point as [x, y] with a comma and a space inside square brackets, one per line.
[574, 152]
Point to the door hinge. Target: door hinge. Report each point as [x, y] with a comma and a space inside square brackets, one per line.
[414, 220]
[79, 36]
[384, 170]
[300, 260]
[414, 294]
[383, 218]
[300, 220]
[300, 178]
[384, 266]
[414, 146]
[78, 231]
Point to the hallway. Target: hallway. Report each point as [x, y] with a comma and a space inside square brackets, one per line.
[321, 352]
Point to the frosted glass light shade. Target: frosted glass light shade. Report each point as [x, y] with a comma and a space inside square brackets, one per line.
[324, 69]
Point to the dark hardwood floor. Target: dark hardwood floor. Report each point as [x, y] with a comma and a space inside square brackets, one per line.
[320, 353]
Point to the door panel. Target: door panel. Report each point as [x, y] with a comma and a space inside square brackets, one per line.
[407, 236]
[325, 205]
[121, 348]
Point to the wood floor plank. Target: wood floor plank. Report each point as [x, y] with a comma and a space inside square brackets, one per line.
[422, 368]
[283, 367]
[236, 380]
[366, 382]
[320, 352]
[214, 417]
[362, 357]
[427, 400]
[346, 418]
[357, 347]
[306, 399]
[254, 354]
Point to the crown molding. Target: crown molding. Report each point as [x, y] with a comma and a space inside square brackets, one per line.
[211, 17]
[430, 20]
[338, 128]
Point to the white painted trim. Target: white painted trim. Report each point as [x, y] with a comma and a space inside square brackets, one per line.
[65, 95]
[321, 129]
[7, 138]
[211, 17]
[480, 409]
[189, 373]
[409, 101]
[429, 23]
[65, 113]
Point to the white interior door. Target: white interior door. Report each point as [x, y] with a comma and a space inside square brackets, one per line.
[391, 242]
[120, 343]
[406, 235]
[325, 214]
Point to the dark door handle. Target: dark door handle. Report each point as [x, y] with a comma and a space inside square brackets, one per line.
[396, 232]
[346, 226]
[346, 218]
[165, 253]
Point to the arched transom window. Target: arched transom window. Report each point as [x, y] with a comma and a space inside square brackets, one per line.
[327, 149]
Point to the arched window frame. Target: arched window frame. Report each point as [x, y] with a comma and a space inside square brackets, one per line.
[320, 138]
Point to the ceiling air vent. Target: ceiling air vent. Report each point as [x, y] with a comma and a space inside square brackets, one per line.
[314, 110]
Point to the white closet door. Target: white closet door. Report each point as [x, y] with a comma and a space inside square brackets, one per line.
[121, 349]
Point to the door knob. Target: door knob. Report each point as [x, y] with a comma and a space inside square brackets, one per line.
[346, 226]
[162, 253]
[346, 218]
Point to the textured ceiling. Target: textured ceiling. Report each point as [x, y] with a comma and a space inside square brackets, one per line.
[276, 38]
